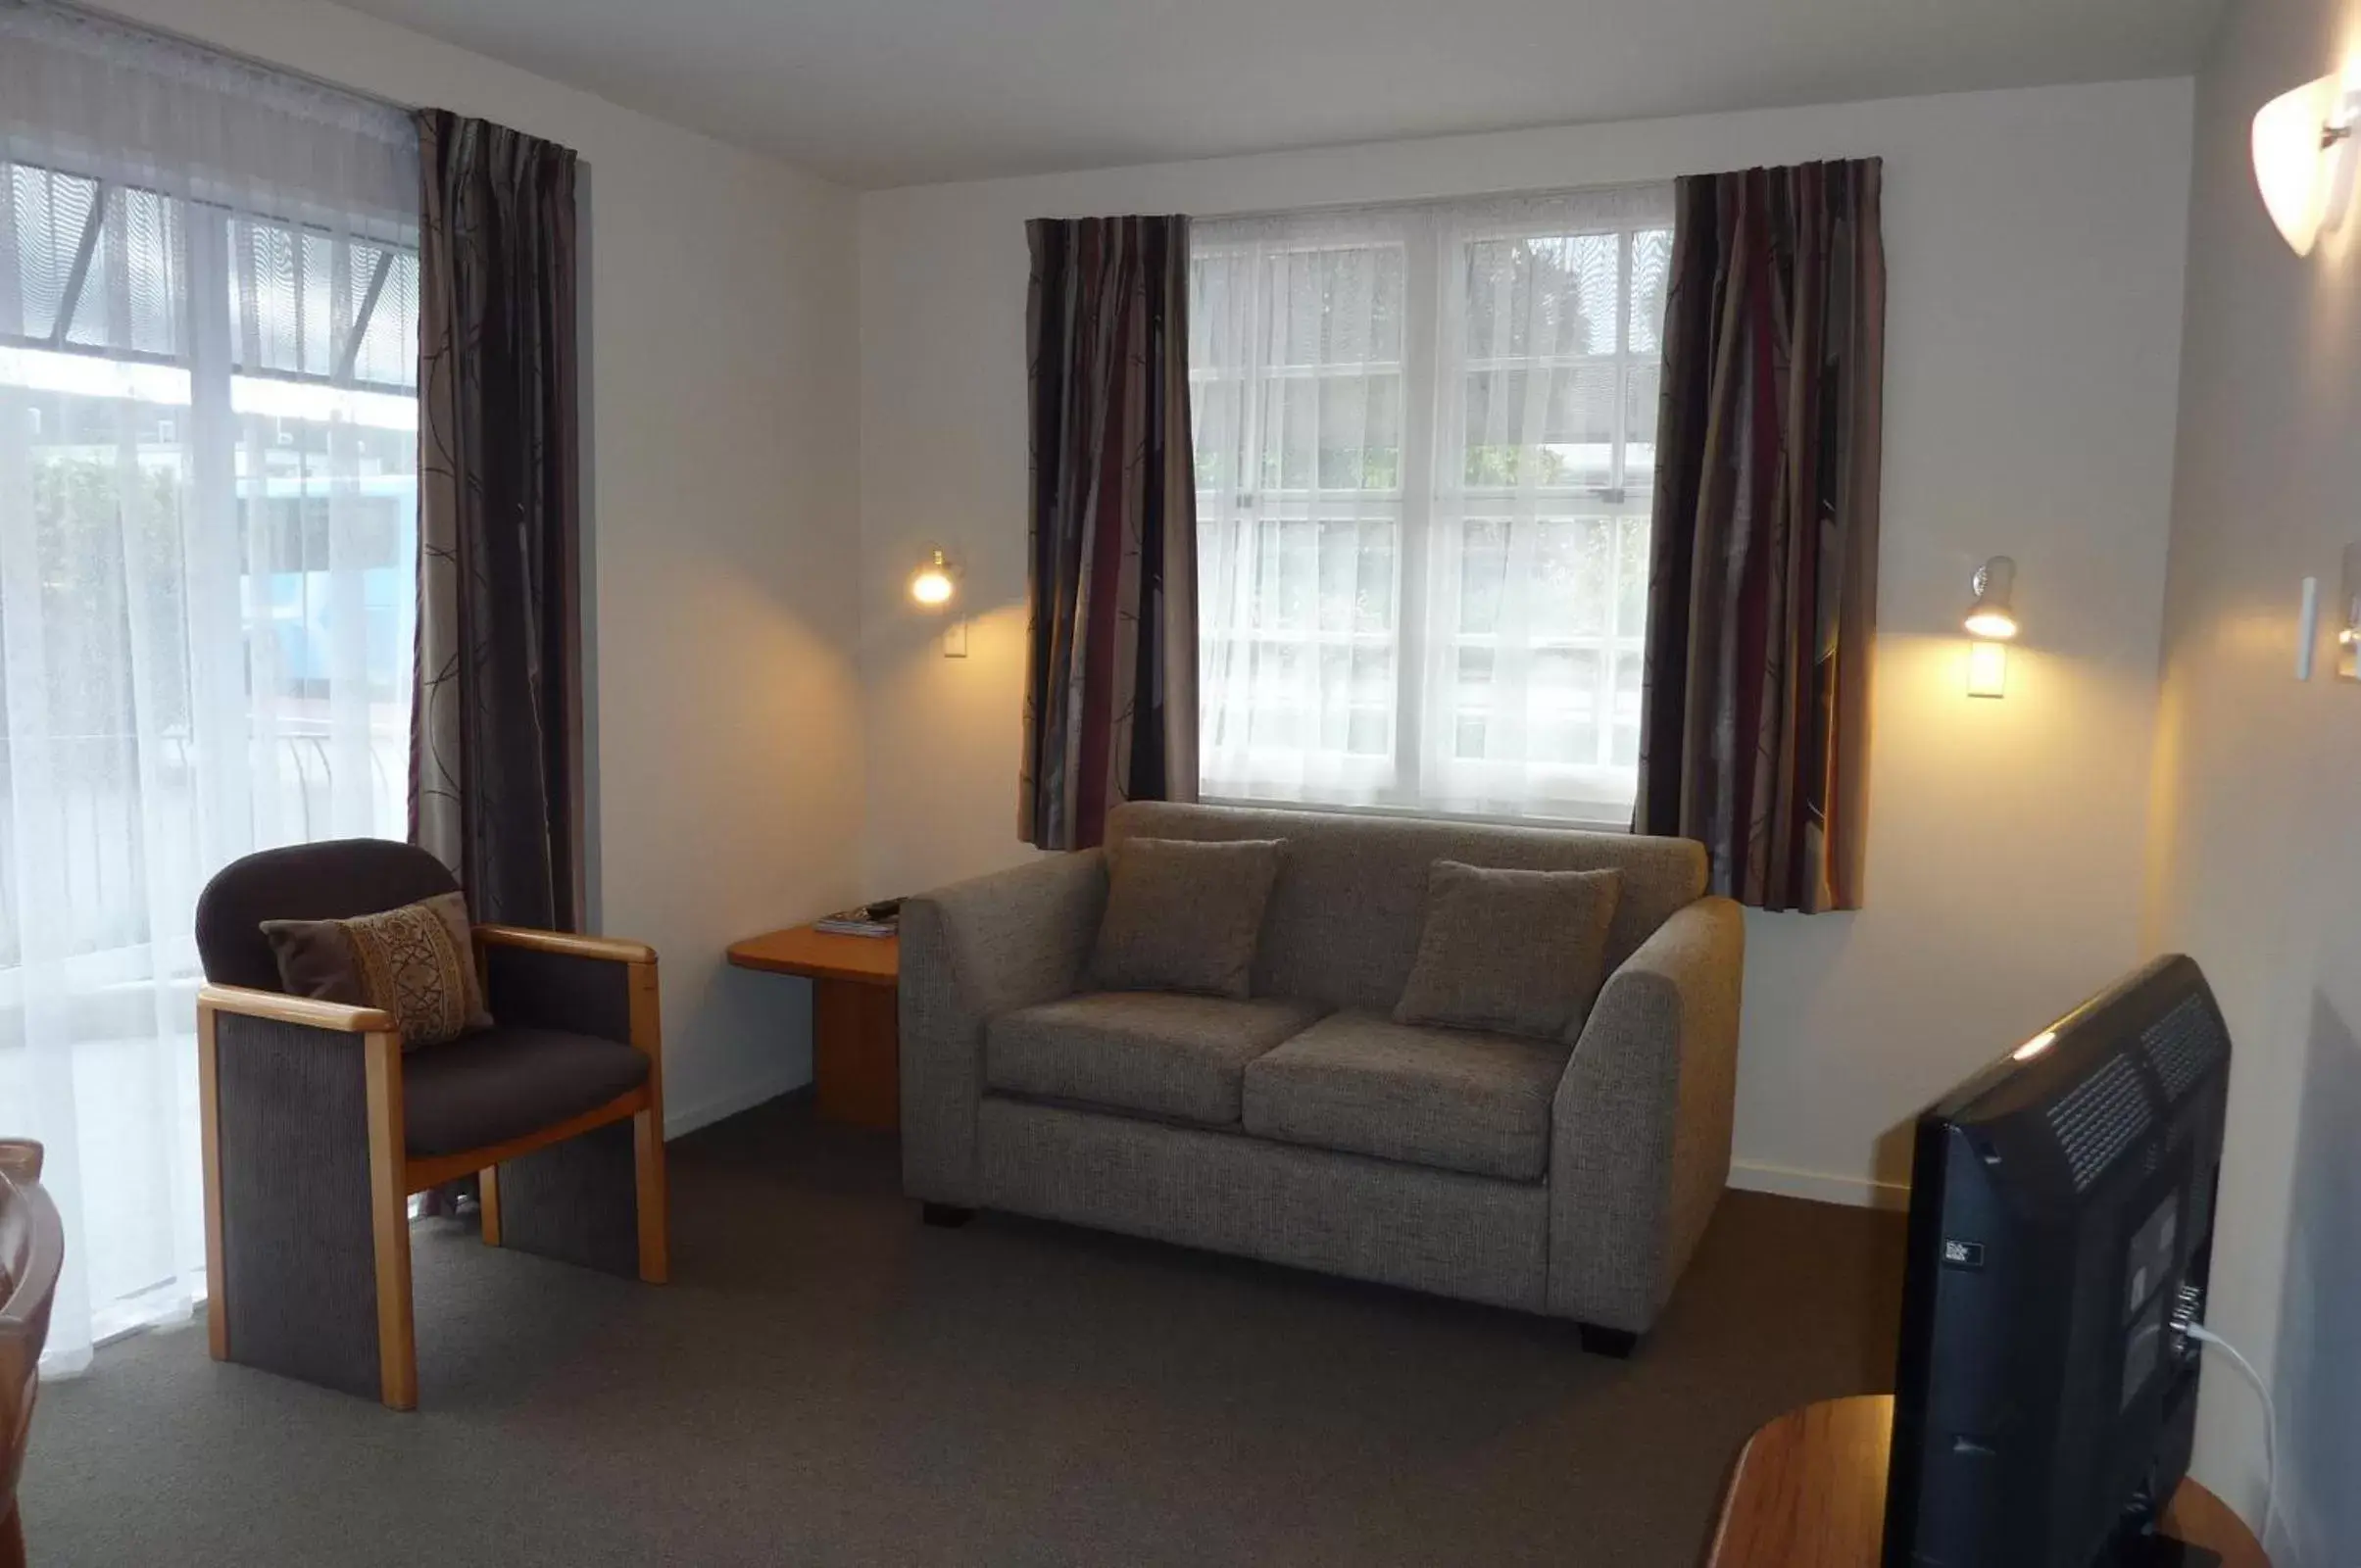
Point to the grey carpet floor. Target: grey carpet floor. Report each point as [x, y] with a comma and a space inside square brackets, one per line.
[828, 1382]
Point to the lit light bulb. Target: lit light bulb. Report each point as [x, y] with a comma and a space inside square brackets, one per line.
[1991, 617]
[2303, 163]
[931, 584]
[1993, 625]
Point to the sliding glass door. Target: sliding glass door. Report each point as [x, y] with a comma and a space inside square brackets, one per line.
[208, 538]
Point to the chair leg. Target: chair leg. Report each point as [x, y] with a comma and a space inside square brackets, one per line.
[1599, 1340]
[11, 1539]
[306, 1209]
[217, 1267]
[487, 1203]
[389, 1220]
[654, 1223]
[576, 1202]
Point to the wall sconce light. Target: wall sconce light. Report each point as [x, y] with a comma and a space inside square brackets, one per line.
[2303, 158]
[1991, 621]
[932, 584]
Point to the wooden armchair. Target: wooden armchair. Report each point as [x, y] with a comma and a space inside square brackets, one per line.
[317, 1126]
[32, 1250]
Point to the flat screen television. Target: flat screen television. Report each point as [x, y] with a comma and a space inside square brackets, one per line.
[2061, 1228]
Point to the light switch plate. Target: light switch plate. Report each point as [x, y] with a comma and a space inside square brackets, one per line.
[955, 639]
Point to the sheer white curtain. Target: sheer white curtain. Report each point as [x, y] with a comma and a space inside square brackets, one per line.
[1425, 452]
[207, 459]
[1296, 373]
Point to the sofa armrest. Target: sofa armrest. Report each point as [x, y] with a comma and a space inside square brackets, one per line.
[1640, 1130]
[969, 952]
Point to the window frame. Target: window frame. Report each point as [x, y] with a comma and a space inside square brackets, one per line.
[206, 221]
[1414, 777]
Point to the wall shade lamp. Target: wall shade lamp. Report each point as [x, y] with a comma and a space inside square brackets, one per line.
[1991, 621]
[2303, 158]
[932, 584]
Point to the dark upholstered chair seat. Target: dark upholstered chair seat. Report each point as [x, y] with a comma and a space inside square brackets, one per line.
[508, 1081]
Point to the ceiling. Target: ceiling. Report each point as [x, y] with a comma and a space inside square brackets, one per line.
[891, 92]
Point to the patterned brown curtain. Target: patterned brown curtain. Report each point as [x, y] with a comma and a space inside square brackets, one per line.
[1110, 665]
[496, 754]
[1762, 571]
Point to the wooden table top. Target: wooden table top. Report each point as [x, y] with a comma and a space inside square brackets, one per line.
[822, 955]
[1810, 1493]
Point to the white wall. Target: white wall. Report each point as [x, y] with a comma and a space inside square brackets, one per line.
[2256, 859]
[720, 429]
[2035, 243]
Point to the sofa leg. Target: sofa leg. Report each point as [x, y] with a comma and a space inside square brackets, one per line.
[1598, 1339]
[950, 1216]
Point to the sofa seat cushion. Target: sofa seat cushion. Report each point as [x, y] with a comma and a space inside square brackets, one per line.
[1450, 1099]
[508, 1081]
[1157, 1053]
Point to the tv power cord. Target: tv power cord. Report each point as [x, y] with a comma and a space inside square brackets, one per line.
[2204, 1336]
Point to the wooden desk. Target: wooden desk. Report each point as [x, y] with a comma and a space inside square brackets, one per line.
[1810, 1493]
[856, 1018]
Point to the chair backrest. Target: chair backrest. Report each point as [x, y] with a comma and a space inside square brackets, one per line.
[32, 1250]
[333, 880]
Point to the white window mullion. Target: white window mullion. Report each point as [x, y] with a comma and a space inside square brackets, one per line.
[1618, 475]
[1421, 646]
[221, 746]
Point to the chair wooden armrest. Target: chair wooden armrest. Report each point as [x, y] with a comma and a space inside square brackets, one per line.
[565, 944]
[304, 1010]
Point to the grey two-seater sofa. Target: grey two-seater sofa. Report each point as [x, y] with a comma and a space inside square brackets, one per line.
[1303, 1126]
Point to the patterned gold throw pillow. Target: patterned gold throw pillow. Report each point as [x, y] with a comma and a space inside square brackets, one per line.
[416, 962]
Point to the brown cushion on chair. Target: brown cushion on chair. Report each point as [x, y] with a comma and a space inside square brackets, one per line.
[1517, 953]
[416, 962]
[1184, 916]
[509, 1081]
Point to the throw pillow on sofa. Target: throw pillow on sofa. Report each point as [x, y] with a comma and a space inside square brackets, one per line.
[1517, 953]
[1184, 916]
[416, 962]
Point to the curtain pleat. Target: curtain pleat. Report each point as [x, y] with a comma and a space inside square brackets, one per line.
[496, 766]
[1110, 665]
[1762, 578]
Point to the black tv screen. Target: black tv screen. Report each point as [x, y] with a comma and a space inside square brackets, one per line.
[2061, 1227]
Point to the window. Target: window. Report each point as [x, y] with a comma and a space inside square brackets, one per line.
[1425, 451]
[204, 385]
[209, 420]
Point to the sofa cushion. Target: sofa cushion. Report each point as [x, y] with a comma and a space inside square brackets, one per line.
[508, 1081]
[1184, 916]
[1522, 952]
[1154, 1052]
[1447, 1097]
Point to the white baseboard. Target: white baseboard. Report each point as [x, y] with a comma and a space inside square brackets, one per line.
[1855, 1191]
[681, 1120]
